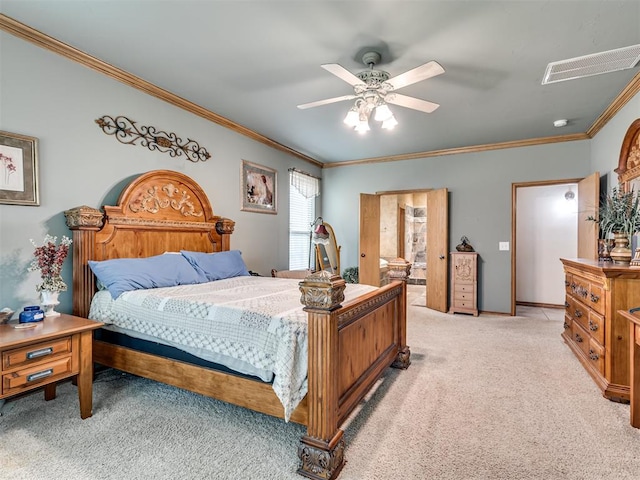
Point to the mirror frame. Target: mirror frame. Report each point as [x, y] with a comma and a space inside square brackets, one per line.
[320, 264]
[629, 162]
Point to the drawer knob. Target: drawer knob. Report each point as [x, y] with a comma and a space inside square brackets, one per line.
[593, 326]
[40, 353]
[578, 313]
[593, 355]
[566, 325]
[594, 298]
[578, 338]
[40, 375]
[566, 304]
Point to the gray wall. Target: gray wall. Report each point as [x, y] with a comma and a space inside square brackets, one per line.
[56, 100]
[479, 187]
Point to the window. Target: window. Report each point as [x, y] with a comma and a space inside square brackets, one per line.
[303, 190]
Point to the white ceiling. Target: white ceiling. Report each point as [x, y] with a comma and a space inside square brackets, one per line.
[254, 61]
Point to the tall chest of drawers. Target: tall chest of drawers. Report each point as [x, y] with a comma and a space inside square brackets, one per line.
[593, 330]
[464, 283]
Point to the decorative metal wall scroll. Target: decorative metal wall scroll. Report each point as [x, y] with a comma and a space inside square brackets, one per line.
[127, 132]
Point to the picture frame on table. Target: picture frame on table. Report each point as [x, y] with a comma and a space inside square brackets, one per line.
[258, 186]
[19, 170]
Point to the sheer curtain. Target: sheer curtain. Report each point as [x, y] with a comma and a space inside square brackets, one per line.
[303, 190]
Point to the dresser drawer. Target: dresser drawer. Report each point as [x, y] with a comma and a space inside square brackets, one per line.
[464, 297]
[466, 304]
[580, 314]
[465, 288]
[595, 325]
[32, 376]
[567, 283]
[596, 298]
[596, 355]
[568, 321]
[580, 337]
[579, 288]
[34, 354]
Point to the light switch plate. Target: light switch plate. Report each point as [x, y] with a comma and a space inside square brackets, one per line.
[503, 245]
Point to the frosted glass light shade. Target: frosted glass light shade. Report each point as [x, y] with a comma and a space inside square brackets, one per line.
[383, 112]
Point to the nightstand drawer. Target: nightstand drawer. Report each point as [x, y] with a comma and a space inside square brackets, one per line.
[33, 376]
[40, 352]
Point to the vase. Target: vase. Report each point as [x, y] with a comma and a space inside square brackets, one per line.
[621, 253]
[49, 300]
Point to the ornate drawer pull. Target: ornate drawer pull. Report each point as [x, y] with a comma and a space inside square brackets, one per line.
[566, 304]
[578, 338]
[593, 355]
[593, 326]
[594, 298]
[40, 353]
[40, 375]
[578, 313]
[566, 325]
[566, 283]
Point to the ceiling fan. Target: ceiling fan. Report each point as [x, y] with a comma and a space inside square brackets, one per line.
[374, 89]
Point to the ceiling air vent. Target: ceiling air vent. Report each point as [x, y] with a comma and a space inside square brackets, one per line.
[595, 64]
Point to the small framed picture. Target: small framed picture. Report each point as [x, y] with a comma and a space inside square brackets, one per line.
[18, 169]
[258, 187]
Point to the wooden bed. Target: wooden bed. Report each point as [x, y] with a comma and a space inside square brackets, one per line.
[350, 345]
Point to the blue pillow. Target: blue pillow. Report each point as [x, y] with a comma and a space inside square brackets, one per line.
[217, 266]
[124, 274]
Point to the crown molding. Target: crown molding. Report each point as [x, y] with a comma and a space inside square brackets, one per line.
[620, 101]
[461, 150]
[42, 40]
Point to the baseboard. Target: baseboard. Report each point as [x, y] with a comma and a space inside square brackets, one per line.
[540, 305]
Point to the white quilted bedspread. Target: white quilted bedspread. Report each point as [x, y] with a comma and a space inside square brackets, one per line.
[258, 320]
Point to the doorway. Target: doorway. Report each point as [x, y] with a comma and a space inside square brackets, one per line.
[549, 223]
[425, 239]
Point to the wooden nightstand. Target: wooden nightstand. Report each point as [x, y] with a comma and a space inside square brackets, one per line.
[52, 350]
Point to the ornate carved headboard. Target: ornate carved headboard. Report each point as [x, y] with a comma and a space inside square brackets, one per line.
[159, 211]
[629, 163]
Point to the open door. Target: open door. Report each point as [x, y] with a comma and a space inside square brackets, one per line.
[437, 249]
[588, 202]
[369, 260]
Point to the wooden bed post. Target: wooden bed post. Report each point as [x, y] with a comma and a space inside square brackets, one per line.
[225, 227]
[321, 450]
[84, 222]
[399, 269]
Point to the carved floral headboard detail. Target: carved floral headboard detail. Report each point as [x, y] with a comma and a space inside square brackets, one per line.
[629, 162]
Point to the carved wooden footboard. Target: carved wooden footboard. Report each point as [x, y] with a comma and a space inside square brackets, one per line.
[350, 345]
[349, 348]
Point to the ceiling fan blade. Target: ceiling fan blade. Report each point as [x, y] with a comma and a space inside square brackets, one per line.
[342, 73]
[326, 102]
[411, 102]
[428, 70]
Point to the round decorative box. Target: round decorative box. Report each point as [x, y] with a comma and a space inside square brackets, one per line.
[31, 314]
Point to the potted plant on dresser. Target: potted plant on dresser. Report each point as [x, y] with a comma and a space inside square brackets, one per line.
[619, 217]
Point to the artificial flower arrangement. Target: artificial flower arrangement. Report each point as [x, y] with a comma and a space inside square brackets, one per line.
[49, 259]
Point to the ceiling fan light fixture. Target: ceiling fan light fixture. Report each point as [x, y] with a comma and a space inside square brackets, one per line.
[362, 127]
[383, 112]
[352, 117]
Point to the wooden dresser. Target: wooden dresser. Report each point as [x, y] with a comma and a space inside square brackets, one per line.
[464, 283]
[593, 329]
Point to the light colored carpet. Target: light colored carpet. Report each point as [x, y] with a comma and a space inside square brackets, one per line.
[485, 398]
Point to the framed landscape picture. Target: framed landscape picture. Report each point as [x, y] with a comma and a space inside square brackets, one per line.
[18, 169]
[258, 187]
